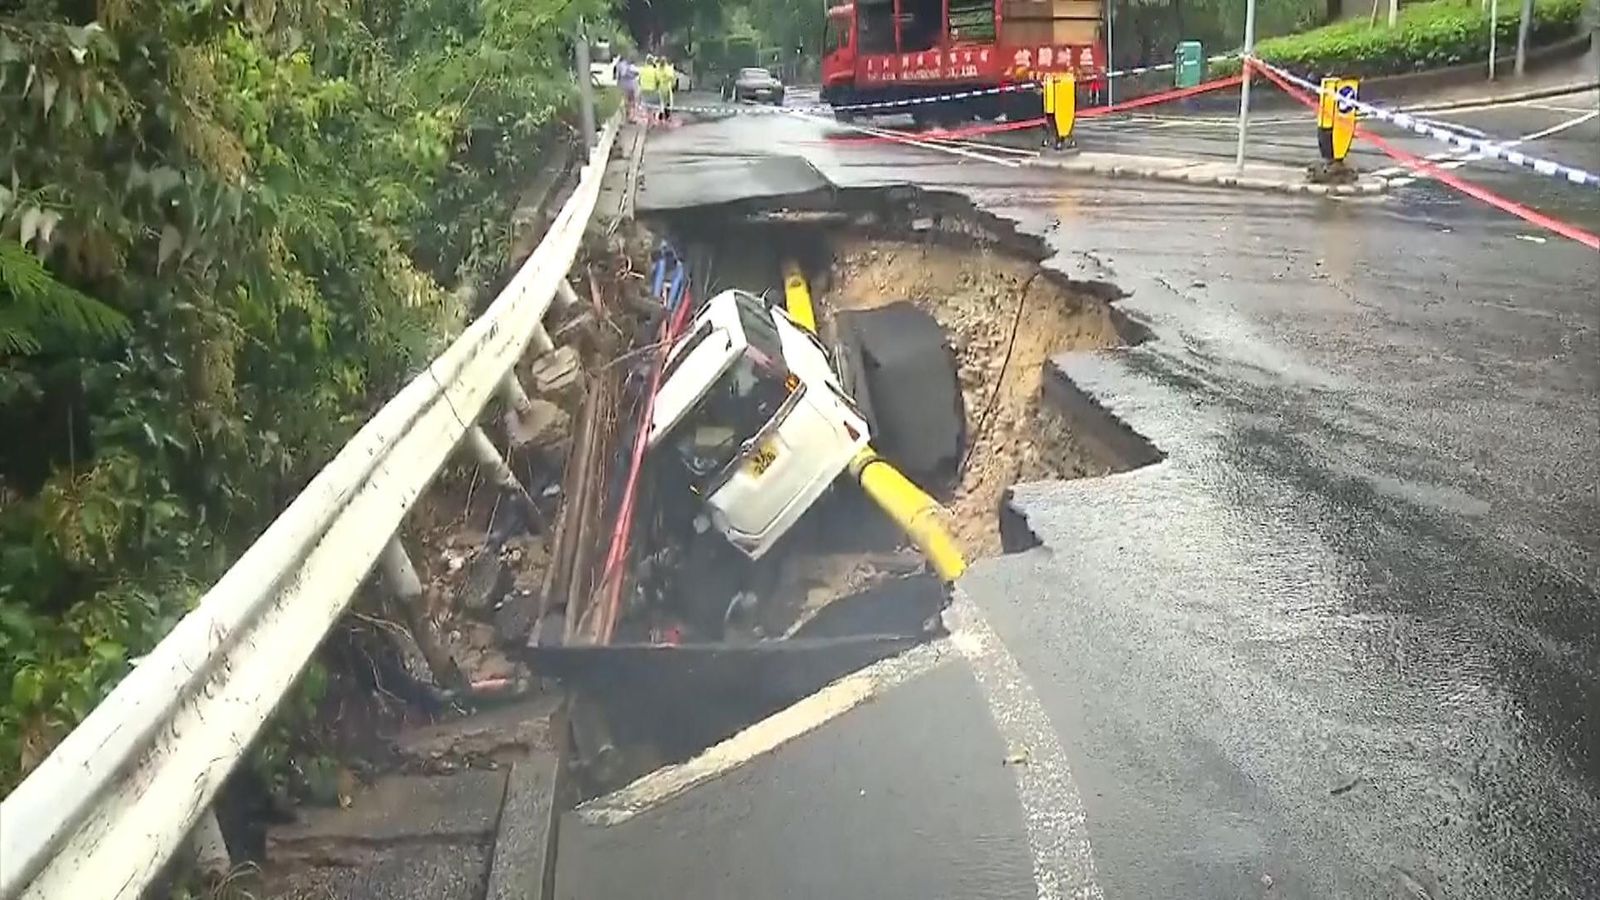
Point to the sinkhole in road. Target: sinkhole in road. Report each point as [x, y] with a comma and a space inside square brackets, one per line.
[887, 269]
[1003, 313]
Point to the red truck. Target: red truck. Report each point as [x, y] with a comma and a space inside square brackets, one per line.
[887, 51]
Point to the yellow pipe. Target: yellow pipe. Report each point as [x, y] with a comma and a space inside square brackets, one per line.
[918, 515]
[797, 296]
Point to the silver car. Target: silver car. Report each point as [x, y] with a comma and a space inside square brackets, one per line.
[758, 85]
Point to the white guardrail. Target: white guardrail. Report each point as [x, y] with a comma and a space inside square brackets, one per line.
[115, 801]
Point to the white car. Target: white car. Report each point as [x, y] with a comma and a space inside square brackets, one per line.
[602, 65]
[752, 408]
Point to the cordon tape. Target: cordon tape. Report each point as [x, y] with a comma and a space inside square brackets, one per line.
[961, 95]
[1434, 170]
[1487, 148]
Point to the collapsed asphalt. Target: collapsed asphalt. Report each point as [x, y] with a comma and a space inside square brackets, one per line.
[1342, 641]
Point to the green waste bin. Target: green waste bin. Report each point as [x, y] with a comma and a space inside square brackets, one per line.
[1190, 68]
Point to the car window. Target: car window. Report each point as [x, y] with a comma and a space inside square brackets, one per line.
[836, 36]
[754, 73]
[733, 412]
[760, 333]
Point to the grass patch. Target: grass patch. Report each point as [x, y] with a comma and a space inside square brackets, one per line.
[1427, 36]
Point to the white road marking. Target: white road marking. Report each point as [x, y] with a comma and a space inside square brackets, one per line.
[1457, 127]
[984, 145]
[903, 139]
[1052, 809]
[1553, 129]
[807, 715]
[1459, 161]
[1560, 109]
[1493, 104]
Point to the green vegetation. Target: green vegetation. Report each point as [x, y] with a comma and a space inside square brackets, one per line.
[226, 228]
[1146, 31]
[1427, 36]
[725, 34]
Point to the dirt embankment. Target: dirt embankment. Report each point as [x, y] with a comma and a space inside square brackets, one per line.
[1005, 317]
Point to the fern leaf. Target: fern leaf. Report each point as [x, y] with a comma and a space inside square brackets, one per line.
[35, 307]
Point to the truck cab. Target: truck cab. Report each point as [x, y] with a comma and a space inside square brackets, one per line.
[752, 411]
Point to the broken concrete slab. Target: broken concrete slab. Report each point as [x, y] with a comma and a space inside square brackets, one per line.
[462, 807]
[537, 425]
[525, 726]
[558, 376]
[448, 871]
[523, 864]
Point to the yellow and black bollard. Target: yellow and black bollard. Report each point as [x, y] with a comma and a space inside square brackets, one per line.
[1060, 109]
[1336, 118]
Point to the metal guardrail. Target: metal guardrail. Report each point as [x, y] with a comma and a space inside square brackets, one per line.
[117, 798]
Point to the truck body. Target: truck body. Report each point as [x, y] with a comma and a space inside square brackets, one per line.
[751, 407]
[883, 51]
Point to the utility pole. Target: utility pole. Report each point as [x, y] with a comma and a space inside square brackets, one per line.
[1494, 29]
[1394, 12]
[585, 88]
[1522, 37]
[1110, 43]
[1244, 86]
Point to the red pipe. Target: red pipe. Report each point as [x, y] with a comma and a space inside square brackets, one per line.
[1152, 99]
[612, 575]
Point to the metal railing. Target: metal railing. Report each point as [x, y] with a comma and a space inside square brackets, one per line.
[102, 815]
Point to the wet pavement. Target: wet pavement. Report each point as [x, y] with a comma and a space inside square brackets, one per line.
[1343, 641]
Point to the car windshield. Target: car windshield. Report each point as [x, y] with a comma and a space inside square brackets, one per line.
[754, 73]
[740, 404]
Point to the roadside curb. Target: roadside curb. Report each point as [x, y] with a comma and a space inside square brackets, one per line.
[1186, 173]
[1518, 97]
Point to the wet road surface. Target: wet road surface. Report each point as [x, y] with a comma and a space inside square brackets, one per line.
[1344, 641]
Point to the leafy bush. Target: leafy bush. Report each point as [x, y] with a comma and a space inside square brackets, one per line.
[225, 231]
[1427, 36]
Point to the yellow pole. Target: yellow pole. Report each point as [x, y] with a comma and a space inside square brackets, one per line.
[918, 515]
[797, 296]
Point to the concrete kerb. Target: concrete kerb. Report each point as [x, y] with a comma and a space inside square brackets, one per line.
[1204, 173]
[1498, 99]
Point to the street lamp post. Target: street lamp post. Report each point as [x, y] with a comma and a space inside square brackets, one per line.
[1244, 86]
[1494, 26]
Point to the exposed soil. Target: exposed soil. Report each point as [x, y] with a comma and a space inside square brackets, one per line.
[976, 292]
[465, 574]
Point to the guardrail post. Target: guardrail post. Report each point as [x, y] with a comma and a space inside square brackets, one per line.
[210, 850]
[541, 341]
[513, 395]
[401, 577]
[485, 454]
[566, 297]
